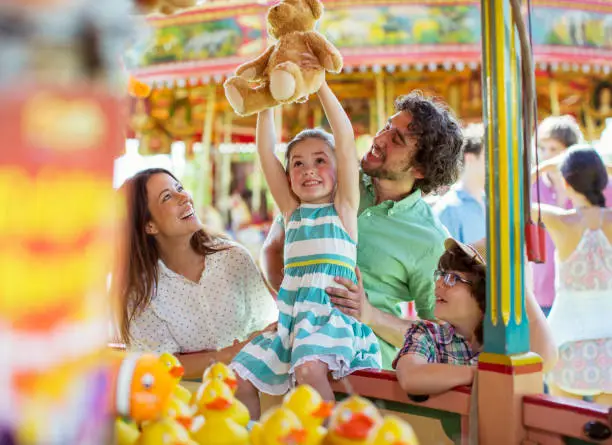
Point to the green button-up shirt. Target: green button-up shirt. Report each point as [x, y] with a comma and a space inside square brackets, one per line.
[399, 246]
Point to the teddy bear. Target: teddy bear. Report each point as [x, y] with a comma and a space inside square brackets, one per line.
[292, 68]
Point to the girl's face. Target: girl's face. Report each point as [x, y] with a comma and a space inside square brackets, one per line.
[312, 171]
[171, 208]
[454, 301]
[549, 148]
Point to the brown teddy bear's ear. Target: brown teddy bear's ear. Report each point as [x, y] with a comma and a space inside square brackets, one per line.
[316, 7]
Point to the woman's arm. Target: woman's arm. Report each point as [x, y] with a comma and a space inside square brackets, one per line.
[347, 193]
[552, 217]
[540, 335]
[195, 363]
[416, 376]
[273, 170]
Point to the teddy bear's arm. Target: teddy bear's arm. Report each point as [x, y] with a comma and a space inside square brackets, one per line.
[328, 54]
[253, 69]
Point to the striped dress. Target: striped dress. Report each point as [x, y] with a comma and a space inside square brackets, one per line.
[317, 249]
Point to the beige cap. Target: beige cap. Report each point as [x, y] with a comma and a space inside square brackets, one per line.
[478, 251]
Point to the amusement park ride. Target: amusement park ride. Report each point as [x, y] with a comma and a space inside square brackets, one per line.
[62, 129]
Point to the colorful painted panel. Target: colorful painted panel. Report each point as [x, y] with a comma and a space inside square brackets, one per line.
[240, 36]
[567, 27]
[365, 26]
[213, 40]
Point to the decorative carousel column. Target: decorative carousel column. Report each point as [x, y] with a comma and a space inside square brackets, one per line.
[506, 369]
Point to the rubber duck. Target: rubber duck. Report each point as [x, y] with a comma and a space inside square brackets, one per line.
[214, 398]
[353, 422]
[180, 412]
[164, 432]
[220, 431]
[394, 431]
[176, 370]
[143, 387]
[126, 433]
[311, 409]
[216, 423]
[221, 371]
[279, 426]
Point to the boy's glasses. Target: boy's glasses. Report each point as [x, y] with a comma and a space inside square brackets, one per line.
[450, 278]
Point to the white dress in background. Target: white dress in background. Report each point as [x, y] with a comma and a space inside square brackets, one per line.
[581, 318]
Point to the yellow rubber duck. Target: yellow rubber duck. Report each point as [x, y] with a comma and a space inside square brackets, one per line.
[215, 399]
[176, 370]
[394, 431]
[180, 412]
[220, 431]
[164, 432]
[221, 371]
[353, 422]
[217, 424]
[311, 409]
[125, 433]
[143, 387]
[279, 426]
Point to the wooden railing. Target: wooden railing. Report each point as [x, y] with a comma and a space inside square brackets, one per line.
[451, 409]
[559, 421]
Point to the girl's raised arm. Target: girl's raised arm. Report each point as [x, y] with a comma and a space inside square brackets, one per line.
[347, 193]
[272, 167]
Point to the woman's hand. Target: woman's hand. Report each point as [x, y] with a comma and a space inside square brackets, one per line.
[353, 300]
[238, 345]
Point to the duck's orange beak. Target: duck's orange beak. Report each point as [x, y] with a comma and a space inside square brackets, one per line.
[323, 410]
[356, 428]
[177, 372]
[232, 383]
[219, 404]
[187, 421]
[399, 442]
[294, 437]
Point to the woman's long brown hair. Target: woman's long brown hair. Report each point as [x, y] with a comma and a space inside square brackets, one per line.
[136, 271]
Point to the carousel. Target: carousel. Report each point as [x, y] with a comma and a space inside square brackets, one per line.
[389, 48]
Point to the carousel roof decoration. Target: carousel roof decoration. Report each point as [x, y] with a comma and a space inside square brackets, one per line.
[203, 45]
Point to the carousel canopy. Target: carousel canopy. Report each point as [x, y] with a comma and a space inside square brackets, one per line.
[203, 45]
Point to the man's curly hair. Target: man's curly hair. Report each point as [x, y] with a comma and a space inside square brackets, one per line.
[439, 141]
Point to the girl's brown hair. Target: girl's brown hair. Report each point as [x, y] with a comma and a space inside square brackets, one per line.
[309, 133]
[136, 270]
[457, 260]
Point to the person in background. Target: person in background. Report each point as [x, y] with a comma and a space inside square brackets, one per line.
[555, 135]
[580, 315]
[462, 209]
[440, 355]
[417, 152]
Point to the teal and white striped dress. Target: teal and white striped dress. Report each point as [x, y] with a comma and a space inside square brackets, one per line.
[317, 249]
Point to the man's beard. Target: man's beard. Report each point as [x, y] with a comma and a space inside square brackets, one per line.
[381, 172]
